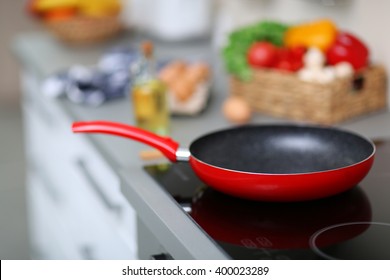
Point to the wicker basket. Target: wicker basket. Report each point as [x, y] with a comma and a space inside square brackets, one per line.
[285, 95]
[85, 30]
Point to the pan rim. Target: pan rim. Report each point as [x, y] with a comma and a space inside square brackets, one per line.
[290, 125]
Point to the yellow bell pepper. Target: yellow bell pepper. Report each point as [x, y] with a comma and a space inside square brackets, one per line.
[319, 34]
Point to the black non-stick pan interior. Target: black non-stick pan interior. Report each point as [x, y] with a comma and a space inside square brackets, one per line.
[281, 149]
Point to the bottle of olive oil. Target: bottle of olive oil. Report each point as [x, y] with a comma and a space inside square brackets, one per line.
[149, 95]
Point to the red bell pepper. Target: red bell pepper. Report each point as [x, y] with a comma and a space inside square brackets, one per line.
[348, 48]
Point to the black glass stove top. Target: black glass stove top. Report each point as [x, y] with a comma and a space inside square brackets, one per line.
[351, 225]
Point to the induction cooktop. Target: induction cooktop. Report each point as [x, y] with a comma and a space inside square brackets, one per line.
[351, 225]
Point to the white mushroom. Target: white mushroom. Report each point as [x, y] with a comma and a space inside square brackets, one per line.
[314, 58]
[327, 75]
[306, 75]
[319, 75]
[343, 70]
[314, 70]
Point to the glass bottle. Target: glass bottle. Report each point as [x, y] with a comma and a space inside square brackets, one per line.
[149, 95]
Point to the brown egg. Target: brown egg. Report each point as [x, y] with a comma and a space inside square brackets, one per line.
[236, 110]
[182, 89]
[198, 72]
[172, 71]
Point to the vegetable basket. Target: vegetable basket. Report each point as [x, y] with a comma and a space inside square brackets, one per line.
[283, 94]
[84, 30]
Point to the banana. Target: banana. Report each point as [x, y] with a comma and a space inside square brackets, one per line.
[47, 5]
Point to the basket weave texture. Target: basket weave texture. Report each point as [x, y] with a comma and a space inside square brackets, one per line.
[284, 95]
[84, 30]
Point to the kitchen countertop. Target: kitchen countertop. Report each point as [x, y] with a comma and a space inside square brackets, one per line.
[43, 55]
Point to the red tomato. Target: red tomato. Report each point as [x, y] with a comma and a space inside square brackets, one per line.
[262, 54]
[284, 54]
[285, 65]
[298, 52]
[290, 59]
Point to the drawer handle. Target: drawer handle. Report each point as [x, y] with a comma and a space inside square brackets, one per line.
[162, 256]
[96, 187]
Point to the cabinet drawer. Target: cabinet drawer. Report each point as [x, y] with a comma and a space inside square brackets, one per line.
[96, 209]
[45, 153]
[102, 229]
[49, 234]
[77, 229]
[64, 158]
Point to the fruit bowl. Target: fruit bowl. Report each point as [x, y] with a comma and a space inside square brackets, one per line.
[78, 21]
[82, 30]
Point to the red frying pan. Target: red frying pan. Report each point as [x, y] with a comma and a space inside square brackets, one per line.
[264, 162]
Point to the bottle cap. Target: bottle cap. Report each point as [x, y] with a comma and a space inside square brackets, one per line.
[147, 48]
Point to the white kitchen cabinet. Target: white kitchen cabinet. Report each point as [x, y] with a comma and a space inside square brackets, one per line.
[76, 208]
[50, 240]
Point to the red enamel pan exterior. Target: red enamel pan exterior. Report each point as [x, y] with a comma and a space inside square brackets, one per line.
[253, 186]
[282, 187]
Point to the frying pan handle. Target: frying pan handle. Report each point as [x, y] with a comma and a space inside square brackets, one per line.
[164, 144]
